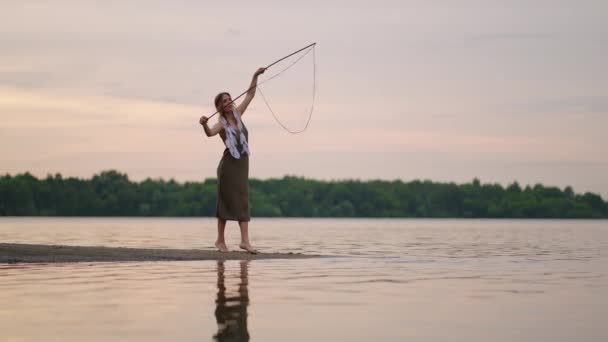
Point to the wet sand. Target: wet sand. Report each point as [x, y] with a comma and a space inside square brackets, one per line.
[28, 253]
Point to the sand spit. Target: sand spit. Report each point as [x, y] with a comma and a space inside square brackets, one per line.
[29, 253]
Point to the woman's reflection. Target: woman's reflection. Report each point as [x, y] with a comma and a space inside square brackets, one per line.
[231, 306]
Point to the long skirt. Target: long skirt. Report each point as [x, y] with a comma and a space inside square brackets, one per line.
[233, 188]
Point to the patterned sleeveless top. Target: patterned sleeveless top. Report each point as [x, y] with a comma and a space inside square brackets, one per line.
[236, 137]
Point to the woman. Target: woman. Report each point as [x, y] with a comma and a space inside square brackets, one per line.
[233, 170]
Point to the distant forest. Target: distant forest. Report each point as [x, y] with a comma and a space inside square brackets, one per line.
[112, 194]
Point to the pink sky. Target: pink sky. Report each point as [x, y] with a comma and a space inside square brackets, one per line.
[501, 91]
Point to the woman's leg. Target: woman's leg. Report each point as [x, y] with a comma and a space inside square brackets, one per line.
[245, 244]
[220, 243]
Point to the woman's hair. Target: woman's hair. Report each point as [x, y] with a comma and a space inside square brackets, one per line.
[217, 100]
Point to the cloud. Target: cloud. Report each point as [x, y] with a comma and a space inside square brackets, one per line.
[234, 32]
[584, 104]
[511, 37]
[25, 108]
[27, 79]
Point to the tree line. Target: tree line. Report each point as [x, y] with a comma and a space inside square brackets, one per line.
[111, 193]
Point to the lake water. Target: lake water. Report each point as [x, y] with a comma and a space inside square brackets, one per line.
[386, 280]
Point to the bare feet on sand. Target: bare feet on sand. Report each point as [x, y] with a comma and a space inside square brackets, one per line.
[248, 248]
[221, 246]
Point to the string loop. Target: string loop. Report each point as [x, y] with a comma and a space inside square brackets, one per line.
[314, 90]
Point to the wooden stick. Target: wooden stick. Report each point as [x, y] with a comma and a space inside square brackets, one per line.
[271, 64]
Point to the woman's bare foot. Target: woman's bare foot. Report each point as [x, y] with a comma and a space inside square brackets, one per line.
[248, 248]
[221, 246]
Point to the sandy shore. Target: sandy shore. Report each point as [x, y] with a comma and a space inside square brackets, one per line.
[27, 253]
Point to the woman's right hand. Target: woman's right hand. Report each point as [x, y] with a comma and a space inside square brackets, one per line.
[259, 72]
[203, 120]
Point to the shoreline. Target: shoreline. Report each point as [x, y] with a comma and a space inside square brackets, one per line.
[12, 253]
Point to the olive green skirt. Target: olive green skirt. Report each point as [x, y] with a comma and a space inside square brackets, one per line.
[233, 188]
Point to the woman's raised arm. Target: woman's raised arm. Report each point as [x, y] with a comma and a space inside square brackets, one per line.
[250, 92]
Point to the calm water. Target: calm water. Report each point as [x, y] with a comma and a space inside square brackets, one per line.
[387, 280]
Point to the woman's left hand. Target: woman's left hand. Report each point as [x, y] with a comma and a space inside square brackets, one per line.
[259, 72]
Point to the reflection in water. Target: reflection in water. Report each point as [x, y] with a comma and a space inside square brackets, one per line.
[231, 306]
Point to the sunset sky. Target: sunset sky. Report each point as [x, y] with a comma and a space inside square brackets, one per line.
[442, 90]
